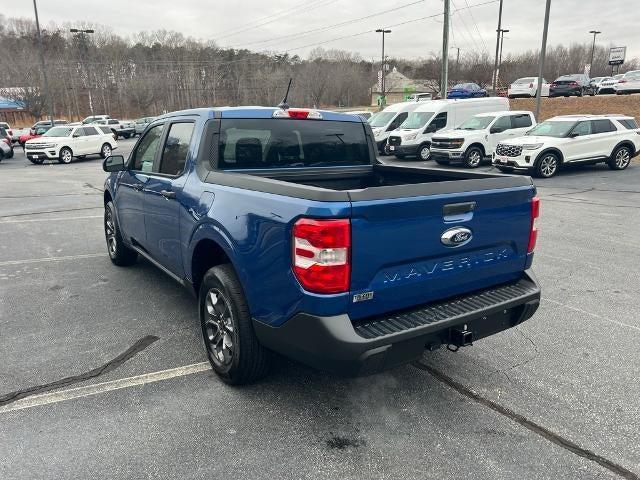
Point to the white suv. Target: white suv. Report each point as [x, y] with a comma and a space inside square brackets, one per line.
[476, 139]
[571, 139]
[64, 142]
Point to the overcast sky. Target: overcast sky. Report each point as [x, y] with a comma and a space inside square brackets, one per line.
[250, 23]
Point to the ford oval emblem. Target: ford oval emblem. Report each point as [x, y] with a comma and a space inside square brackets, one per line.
[456, 237]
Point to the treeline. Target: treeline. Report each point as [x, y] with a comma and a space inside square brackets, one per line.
[153, 72]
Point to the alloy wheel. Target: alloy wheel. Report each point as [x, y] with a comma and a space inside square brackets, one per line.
[110, 232]
[548, 166]
[623, 157]
[66, 156]
[218, 327]
[425, 153]
[474, 158]
[106, 151]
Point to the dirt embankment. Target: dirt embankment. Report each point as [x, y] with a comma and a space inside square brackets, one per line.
[601, 104]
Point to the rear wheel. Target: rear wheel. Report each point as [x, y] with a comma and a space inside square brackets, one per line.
[620, 158]
[232, 346]
[473, 157]
[424, 152]
[547, 166]
[66, 155]
[105, 150]
[119, 253]
[10, 154]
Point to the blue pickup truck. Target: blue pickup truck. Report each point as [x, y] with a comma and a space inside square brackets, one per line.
[296, 239]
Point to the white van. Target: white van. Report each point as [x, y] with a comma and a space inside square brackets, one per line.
[382, 123]
[413, 137]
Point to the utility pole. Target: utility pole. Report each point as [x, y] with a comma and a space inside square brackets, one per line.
[543, 52]
[84, 48]
[502, 32]
[45, 82]
[495, 65]
[383, 100]
[444, 79]
[458, 63]
[593, 49]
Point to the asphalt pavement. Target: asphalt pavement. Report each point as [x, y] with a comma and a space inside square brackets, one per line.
[104, 375]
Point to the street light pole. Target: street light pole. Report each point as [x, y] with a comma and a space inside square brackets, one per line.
[445, 51]
[45, 82]
[593, 49]
[81, 34]
[543, 52]
[495, 65]
[383, 99]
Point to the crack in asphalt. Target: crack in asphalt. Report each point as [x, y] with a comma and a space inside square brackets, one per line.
[136, 348]
[51, 211]
[529, 424]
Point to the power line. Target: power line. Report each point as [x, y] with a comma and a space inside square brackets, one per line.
[388, 26]
[484, 45]
[281, 12]
[308, 7]
[335, 25]
[470, 35]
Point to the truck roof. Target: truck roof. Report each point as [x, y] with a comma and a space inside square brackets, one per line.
[578, 117]
[430, 105]
[503, 112]
[255, 112]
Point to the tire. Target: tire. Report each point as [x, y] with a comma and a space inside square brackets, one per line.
[65, 156]
[621, 158]
[385, 150]
[424, 153]
[119, 253]
[126, 135]
[580, 93]
[442, 161]
[473, 157]
[105, 150]
[227, 330]
[547, 166]
[10, 155]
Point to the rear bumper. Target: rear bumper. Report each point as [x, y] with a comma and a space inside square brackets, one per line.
[349, 348]
[564, 91]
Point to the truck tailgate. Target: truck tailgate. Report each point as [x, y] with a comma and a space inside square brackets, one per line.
[399, 259]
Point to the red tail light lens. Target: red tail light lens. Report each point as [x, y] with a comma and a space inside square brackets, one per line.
[322, 255]
[533, 231]
[574, 84]
[622, 81]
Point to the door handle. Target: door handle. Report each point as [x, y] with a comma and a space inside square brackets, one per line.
[168, 194]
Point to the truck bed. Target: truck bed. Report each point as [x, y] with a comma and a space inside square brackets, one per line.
[374, 182]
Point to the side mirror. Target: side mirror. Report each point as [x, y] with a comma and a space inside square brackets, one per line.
[113, 163]
[75, 135]
[574, 135]
[496, 130]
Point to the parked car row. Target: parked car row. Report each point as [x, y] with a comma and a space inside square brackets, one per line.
[577, 85]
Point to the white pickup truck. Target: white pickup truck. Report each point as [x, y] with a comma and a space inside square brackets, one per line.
[120, 128]
[476, 139]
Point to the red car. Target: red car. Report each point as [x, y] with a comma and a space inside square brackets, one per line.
[28, 136]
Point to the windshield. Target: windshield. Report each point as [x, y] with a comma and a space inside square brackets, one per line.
[59, 132]
[142, 120]
[632, 75]
[525, 80]
[416, 120]
[287, 143]
[463, 86]
[380, 119]
[551, 129]
[476, 123]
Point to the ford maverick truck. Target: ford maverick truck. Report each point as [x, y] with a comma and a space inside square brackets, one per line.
[297, 240]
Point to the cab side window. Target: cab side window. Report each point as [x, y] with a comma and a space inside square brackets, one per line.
[145, 154]
[176, 149]
[521, 121]
[603, 126]
[503, 123]
[582, 128]
[438, 123]
[401, 117]
[80, 132]
[90, 131]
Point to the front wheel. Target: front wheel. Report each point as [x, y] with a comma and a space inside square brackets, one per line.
[620, 159]
[424, 152]
[473, 157]
[105, 151]
[66, 155]
[119, 253]
[232, 346]
[547, 166]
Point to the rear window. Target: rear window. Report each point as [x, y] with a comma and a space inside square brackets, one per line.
[284, 143]
[525, 80]
[629, 124]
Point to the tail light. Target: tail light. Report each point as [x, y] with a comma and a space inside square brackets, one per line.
[10, 132]
[322, 255]
[298, 114]
[533, 231]
[573, 84]
[622, 81]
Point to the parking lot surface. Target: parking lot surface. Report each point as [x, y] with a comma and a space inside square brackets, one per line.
[103, 369]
